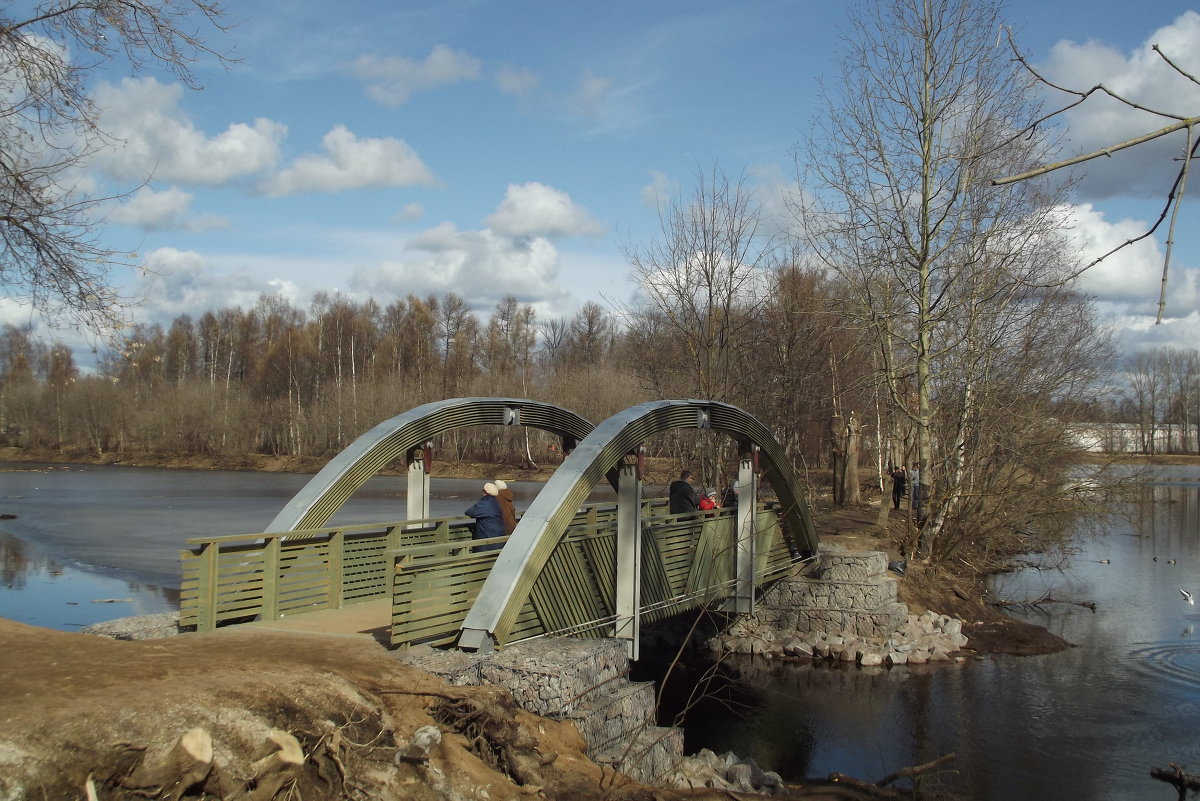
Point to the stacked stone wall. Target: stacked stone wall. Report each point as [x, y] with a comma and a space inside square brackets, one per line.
[843, 607]
[582, 680]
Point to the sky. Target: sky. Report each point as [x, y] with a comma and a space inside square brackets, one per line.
[379, 148]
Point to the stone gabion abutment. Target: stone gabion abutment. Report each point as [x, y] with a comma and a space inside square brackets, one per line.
[842, 607]
[585, 681]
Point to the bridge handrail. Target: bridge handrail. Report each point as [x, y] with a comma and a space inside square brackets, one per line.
[690, 563]
[227, 578]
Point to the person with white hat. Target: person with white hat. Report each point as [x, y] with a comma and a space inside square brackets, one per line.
[489, 521]
[731, 497]
[507, 510]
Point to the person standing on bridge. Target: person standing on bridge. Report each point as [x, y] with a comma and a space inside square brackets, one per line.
[509, 512]
[489, 522]
[730, 501]
[682, 495]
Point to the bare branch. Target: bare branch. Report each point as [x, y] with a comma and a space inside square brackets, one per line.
[1104, 151]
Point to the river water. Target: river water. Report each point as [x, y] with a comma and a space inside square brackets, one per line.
[90, 544]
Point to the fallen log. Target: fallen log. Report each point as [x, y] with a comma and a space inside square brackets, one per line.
[915, 770]
[1175, 776]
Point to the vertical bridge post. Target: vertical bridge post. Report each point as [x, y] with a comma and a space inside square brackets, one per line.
[629, 557]
[418, 482]
[743, 602]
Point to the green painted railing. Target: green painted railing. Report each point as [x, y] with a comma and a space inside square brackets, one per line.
[266, 576]
[433, 575]
[686, 563]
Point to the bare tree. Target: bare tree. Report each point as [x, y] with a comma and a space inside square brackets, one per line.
[701, 283]
[943, 267]
[51, 252]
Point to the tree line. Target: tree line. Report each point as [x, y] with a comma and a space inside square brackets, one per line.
[282, 380]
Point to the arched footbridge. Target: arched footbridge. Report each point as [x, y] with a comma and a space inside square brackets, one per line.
[569, 567]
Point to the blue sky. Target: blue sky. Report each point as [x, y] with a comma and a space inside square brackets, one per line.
[379, 148]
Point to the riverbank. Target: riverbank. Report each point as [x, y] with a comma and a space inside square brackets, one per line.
[265, 463]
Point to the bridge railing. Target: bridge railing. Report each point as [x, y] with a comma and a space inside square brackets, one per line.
[271, 575]
[686, 563]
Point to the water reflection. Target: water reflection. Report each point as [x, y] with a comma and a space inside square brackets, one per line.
[40, 590]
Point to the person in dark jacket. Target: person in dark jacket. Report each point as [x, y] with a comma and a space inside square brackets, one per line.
[489, 521]
[507, 510]
[731, 497]
[682, 495]
[899, 483]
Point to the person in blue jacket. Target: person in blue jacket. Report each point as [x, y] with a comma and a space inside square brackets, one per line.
[489, 522]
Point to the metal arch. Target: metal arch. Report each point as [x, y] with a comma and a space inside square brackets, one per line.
[336, 482]
[546, 519]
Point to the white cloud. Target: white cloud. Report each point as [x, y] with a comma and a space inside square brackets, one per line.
[153, 137]
[591, 95]
[1130, 276]
[351, 163]
[477, 265]
[516, 81]
[410, 211]
[534, 209]
[177, 282]
[659, 191]
[168, 209]
[1144, 77]
[1126, 284]
[392, 81]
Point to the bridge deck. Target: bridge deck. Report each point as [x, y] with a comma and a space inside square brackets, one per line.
[367, 619]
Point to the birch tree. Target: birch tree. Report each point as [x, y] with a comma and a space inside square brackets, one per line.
[902, 210]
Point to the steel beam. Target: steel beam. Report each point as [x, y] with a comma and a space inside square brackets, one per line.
[629, 558]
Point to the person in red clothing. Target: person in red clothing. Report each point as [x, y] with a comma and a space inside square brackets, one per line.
[709, 501]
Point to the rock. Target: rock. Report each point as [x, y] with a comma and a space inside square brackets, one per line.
[739, 775]
[952, 627]
[897, 658]
[772, 781]
[424, 740]
[871, 658]
[799, 648]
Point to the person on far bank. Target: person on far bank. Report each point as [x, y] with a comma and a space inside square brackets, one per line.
[899, 482]
[509, 512]
[914, 485]
[682, 495]
[489, 521]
